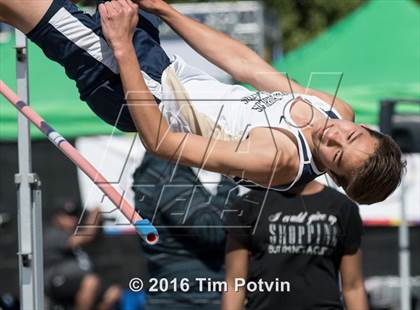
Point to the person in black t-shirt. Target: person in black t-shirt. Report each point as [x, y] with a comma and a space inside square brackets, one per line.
[299, 243]
[191, 235]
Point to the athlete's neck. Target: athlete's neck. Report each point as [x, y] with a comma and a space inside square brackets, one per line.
[304, 116]
[314, 148]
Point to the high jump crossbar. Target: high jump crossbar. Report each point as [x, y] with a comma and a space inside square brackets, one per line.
[143, 226]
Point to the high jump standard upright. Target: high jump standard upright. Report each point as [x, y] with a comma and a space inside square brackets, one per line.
[31, 275]
[29, 191]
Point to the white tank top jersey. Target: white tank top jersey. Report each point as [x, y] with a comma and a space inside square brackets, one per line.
[193, 101]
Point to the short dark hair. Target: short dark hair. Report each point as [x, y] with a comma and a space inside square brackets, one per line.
[380, 175]
[67, 206]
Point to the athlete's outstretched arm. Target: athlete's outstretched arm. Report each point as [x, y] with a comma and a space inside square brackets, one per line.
[225, 52]
[233, 56]
[251, 159]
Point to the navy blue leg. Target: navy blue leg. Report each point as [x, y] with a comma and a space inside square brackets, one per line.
[88, 60]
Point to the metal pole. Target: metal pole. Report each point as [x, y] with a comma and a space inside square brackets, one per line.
[30, 257]
[38, 257]
[261, 36]
[404, 245]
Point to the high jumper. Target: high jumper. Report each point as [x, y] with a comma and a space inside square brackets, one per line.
[279, 137]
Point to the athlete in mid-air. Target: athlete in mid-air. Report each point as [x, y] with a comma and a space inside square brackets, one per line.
[279, 137]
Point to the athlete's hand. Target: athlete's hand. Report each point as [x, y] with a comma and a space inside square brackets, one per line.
[156, 7]
[119, 19]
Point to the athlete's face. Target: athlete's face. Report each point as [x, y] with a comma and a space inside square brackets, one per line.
[342, 146]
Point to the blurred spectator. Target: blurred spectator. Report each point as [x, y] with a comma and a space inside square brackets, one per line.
[4, 219]
[69, 278]
[192, 239]
[306, 239]
[9, 302]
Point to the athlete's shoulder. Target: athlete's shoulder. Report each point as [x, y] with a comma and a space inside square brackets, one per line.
[346, 111]
[342, 107]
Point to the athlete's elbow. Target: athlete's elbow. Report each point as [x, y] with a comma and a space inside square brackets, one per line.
[151, 146]
[241, 76]
[158, 151]
[164, 155]
[245, 72]
[164, 151]
[159, 147]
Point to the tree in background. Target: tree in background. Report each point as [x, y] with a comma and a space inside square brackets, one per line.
[301, 20]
